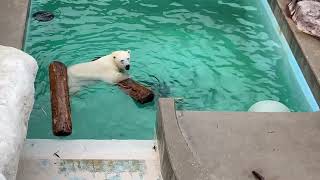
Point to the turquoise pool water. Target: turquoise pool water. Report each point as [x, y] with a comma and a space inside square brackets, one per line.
[219, 55]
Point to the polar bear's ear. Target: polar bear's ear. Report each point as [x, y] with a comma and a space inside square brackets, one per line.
[129, 51]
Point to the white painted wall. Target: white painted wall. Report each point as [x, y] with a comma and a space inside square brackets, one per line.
[17, 76]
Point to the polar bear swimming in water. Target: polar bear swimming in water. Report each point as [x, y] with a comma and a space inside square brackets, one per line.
[110, 68]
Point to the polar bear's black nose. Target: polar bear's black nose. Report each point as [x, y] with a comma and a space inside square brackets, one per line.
[127, 67]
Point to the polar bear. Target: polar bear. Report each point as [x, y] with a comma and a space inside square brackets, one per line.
[110, 68]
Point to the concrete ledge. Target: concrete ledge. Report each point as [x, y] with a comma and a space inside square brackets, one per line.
[230, 145]
[13, 15]
[89, 149]
[176, 158]
[44, 159]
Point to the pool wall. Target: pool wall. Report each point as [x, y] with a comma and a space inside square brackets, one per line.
[290, 69]
[304, 47]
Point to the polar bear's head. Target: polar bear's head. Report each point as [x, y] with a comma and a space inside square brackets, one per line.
[122, 59]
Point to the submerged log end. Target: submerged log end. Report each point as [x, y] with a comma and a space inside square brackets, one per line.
[137, 91]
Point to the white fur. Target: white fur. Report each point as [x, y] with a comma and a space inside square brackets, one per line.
[109, 68]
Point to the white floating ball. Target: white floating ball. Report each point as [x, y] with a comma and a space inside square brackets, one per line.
[269, 106]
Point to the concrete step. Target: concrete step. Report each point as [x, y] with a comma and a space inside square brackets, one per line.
[89, 159]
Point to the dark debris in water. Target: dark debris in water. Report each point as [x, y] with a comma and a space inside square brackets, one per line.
[43, 16]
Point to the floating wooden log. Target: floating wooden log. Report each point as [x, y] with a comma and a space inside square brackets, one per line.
[60, 103]
[137, 91]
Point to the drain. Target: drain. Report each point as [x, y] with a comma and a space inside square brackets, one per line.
[43, 16]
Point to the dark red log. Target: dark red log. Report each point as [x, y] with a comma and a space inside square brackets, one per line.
[60, 103]
[137, 91]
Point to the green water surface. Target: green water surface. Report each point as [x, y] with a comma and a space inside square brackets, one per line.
[217, 55]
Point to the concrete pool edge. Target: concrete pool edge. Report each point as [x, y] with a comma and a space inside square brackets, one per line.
[278, 145]
[89, 149]
[88, 159]
[13, 21]
[176, 158]
[292, 69]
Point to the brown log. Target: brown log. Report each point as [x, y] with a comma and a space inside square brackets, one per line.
[137, 91]
[60, 104]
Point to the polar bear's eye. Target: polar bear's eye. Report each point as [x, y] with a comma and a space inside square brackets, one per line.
[122, 61]
[128, 59]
